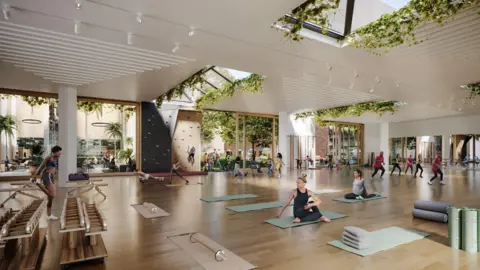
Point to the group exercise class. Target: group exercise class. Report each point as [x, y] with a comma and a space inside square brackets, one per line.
[237, 135]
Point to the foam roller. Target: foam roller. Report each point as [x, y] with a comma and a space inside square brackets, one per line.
[455, 227]
[432, 206]
[429, 215]
[469, 230]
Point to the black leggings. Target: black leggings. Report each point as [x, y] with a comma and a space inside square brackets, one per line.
[376, 170]
[396, 165]
[306, 215]
[418, 167]
[436, 173]
[409, 167]
[176, 172]
[353, 196]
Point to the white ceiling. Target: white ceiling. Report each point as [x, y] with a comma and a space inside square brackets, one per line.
[232, 34]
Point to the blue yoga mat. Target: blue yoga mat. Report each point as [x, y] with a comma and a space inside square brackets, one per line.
[228, 198]
[255, 206]
[287, 222]
[355, 201]
[383, 239]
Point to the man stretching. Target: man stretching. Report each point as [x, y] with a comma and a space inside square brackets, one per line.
[378, 165]
[437, 164]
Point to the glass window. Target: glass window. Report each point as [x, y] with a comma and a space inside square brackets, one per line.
[213, 78]
[396, 4]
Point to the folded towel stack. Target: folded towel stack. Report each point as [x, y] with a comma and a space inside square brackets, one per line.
[356, 237]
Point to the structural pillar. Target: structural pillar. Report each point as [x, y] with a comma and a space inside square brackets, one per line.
[384, 136]
[237, 139]
[274, 139]
[445, 148]
[67, 132]
[285, 129]
[244, 144]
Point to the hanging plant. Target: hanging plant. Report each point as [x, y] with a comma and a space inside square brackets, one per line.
[250, 84]
[312, 11]
[127, 109]
[474, 89]
[89, 107]
[6, 96]
[397, 28]
[379, 108]
[38, 101]
[178, 90]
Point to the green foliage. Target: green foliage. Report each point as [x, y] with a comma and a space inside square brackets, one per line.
[114, 130]
[474, 89]
[397, 28]
[125, 154]
[250, 84]
[129, 141]
[313, 11]
[379, 108]
[8, 124]
[89, 107]
[37, 154]
[38, 101]
[128, 110]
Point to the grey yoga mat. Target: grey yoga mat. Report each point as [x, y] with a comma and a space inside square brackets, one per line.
[429, 215]
[432, 206]
[455, 227]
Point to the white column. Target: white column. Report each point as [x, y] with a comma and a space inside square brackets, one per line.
[384, 136]
[445, 147]
[285, 128]
[67, 132]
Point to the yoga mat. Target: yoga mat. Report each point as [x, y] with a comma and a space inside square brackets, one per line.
[383, 239]
[469, 230]
[255, 206]
[326, 191]
[454, 227]
[355, 201]
[228, 198]
[478, 230]
[286, 222]
[429, 215]
[432, 206]
[206, 257]
[147, 213]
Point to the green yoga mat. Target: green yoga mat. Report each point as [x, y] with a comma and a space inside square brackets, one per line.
[255, 206]
[454, 227]
[228, 198]
[355, 201]
[286, 222]
[383, 239]
[326, 191]
[469, 230]
[478, 230]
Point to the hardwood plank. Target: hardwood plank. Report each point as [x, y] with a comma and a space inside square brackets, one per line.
[72, 255]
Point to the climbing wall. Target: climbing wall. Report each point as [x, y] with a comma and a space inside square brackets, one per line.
[156, 140]
[187, 134]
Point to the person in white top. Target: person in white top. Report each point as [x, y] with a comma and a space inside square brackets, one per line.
[145, 176]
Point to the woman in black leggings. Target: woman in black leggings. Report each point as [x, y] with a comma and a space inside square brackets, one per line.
[359, 192]
[419, 166]
[396, 164]
[303, 210]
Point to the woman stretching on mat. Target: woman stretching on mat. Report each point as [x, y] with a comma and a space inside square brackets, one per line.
[409, 164]
[396, 164]
[303, 210]
[47, 170]
[359, 190]
[145, 177]
[437, 164]
[175, 168]
[419, 166]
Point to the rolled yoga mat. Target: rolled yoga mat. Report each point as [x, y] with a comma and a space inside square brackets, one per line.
[455, 227]
[469, 230]
[432, 206]
[429, 215]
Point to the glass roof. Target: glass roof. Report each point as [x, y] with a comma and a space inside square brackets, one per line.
[396, 4]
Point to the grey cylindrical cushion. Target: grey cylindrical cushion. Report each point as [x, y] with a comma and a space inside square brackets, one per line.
[429, 215]
[432, 206]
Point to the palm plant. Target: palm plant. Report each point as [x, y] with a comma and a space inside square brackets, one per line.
[114, 131]
[129, 141]
[8, 125]
[126, 154]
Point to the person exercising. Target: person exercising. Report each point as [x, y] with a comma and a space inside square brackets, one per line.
[359, 192]
[436, 168]
[47, 170]
[378, 165]
[145, 177]
[396, 165]
[175, 168]
[409, 164]
[303, 210]
[419, 166]
[191, 154]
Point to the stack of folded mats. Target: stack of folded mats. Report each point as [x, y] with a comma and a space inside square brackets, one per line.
[356, 238]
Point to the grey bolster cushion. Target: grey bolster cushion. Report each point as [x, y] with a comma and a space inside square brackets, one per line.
[429, 215]
[432, 206]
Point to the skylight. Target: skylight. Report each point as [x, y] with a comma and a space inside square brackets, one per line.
[396, 4]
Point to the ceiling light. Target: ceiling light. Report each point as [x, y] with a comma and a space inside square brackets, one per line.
[139, 18]
[6, 11]
[176, 48]
[78, 4]
[192, 32]
[378, 80]
[129, 38]
[76, 28]
[371, 90]
[398, 84]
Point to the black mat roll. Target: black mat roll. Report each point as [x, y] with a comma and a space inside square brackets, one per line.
[430, 215]
[432, 206]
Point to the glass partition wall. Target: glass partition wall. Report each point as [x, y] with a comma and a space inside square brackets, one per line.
[426, 146]
[107, 133]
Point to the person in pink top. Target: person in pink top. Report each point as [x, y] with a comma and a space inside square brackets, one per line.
[409, 164]
[378, 165]
[437, 164]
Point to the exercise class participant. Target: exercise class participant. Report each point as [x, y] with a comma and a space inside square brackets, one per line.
[359, 192]
[436, 168]
[396, 164]
[47, 170]
[237, 171]
[409, 164]
[145, 176]
[175, 168]
[419, 166]
[378, 165]
[303, 210]
[279, 164]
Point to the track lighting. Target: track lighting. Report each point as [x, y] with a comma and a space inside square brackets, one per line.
[6, 11]
[76, 28]
[192, 32]
[139, 18]
[78, 4]
[129, 38]
[176, 48]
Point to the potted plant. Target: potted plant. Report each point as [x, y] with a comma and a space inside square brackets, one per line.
[126, 156]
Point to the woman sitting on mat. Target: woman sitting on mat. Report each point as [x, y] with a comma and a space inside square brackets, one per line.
[303, 210]
[359, 190]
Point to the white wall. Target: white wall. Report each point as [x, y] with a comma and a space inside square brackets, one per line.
[439, 126]
[376, 140]
[287, 126]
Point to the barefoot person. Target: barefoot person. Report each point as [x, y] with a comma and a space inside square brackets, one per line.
[378, 165]
[303, 210]
[359, 192]
[176, 167]
[437, 164]
[47, 170]
[145, 177]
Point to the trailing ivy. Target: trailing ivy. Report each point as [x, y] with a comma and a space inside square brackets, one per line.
[38, 101]
[397, 28]
[250, 84]
[474, 89]
[379, 108]
[312, 11]
[89, 107]
[128, 110]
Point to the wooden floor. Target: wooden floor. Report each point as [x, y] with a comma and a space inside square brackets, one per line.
[134, 242]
